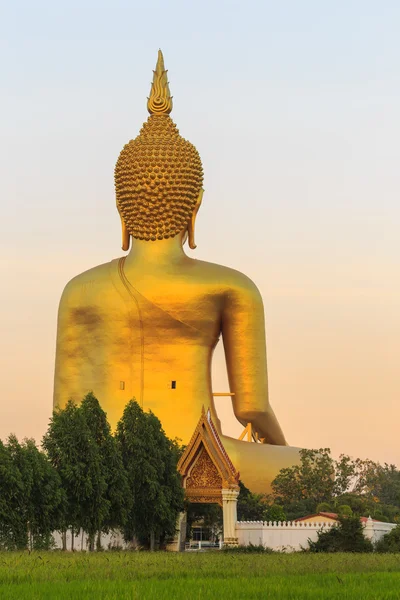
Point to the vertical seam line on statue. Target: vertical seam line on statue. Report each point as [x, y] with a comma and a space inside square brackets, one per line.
[128, 287]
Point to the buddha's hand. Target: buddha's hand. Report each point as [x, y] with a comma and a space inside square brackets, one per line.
[266, 425]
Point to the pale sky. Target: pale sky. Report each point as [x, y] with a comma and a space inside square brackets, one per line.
[294, 108]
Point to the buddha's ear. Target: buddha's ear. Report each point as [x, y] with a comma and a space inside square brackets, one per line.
[126, 237]
[192, 222]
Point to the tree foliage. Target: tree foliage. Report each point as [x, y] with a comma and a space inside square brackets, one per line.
[250, 506]
[346, 486]
[150, 459]
[89, 479]
[41, 504]
[347, 536]
[13, 527]
[31, 497]
[74, 453]
[312, 478]
[257, 507]
[109, 508]
[390, 542]
[274, 512]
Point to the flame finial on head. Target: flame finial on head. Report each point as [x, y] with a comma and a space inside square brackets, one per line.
[160, 101]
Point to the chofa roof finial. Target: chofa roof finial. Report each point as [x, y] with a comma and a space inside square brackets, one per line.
[160, 101]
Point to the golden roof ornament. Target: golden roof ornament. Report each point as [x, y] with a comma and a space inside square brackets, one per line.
[160, 101]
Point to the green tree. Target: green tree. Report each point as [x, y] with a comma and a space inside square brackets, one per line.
[345, 475]
[323, 507]
[363, 486]
[112, 502]
[345, 510]
[312, 479]
[364, 505]
[118, 490]
[250, 506]
[274, 512]
[75, 455]
[257, 507]
[150, 460]
[40, 504]
[379, 482]
[171, 498]
[390, 542]
[348, 536]
[13, 525]
[360, 505]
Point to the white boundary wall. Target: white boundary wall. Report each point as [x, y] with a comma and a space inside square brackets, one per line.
[286, 535]
[375, 530]
[290, 536]
[109, 541]
[282, 535]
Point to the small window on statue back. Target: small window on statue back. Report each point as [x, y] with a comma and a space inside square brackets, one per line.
[173, 385]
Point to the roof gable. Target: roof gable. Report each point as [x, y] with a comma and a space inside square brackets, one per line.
[205, 466]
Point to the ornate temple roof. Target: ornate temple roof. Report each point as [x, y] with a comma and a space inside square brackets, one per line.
[205, 466]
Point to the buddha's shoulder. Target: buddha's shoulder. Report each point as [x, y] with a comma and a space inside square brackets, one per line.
[90, 282]
[226, 278]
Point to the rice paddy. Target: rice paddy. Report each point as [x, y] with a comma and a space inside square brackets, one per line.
[145, 575]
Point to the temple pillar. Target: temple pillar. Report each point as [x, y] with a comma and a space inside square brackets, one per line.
[229, 510]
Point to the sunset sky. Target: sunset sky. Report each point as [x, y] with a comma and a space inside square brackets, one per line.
[295, 110]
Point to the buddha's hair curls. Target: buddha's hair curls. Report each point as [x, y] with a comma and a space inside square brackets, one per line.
[158, 178]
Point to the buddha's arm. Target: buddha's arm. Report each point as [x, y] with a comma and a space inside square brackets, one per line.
[68, 347]
[243, 331]
[62, 366]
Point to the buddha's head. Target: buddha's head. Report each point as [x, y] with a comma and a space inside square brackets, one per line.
[158, 175]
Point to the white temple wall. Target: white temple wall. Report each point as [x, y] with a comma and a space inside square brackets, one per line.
[375, 531]
[81, 541]
[293, 536]
[285, 536]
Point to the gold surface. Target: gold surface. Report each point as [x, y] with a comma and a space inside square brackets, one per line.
[160, 100]
[131, 327]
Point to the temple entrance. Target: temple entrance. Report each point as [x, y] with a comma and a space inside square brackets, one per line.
[209, 477]
[204, 530]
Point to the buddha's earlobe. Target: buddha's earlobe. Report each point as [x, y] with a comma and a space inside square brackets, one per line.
[192, 222]
[126, 237]
[190, 232]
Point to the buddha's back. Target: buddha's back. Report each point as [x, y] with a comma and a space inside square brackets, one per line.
[128, 329]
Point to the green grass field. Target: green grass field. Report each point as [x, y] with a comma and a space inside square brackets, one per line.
[131, 575]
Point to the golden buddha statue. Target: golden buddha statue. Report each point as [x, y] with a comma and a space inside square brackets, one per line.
[145, 325]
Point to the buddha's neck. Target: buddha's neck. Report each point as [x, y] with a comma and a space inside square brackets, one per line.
[156, 254]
